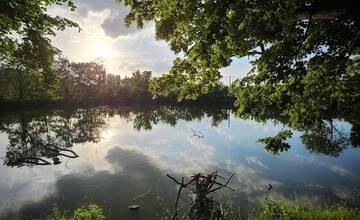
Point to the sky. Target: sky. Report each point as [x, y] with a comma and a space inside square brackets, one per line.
[105, 39]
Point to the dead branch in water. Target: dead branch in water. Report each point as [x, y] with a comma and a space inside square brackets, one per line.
[201, 186]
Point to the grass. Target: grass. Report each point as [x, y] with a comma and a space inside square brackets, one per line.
[280, 209]
[266, 209]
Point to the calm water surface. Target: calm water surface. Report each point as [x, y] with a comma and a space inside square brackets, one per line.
[126, 152]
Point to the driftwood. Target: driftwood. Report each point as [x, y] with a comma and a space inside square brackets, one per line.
[202, 207]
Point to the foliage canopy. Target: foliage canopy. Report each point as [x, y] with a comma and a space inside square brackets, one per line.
[305, 53]
[25, 45]
[25, 28]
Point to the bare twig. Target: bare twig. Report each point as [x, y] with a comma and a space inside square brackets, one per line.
[202, 185]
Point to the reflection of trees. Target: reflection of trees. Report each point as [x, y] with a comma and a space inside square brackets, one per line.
[325, 138]
[34, 138]
[321, 137]
[37, 137]
[355, 135]
[171, 114]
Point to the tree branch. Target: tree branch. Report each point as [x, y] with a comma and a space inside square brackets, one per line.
[305, 35]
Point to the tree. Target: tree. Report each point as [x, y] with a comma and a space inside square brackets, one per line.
[136, 87]
[25, 29]
[25, 46]
[305, 53]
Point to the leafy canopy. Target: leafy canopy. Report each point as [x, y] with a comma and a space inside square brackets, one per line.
[304, 52]
[25, 28]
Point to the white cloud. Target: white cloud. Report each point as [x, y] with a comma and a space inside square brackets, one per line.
[255, 160]
[130, 48]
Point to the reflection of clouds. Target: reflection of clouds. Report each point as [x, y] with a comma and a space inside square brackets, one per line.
[248, 181]
[312, 159]
[160, 141]
[197, 157]
[302, 158]
[114, 192]
[171, 149]
[224, 133]
[255, 160]
[201, 148]
[341, 170]
[18, 185]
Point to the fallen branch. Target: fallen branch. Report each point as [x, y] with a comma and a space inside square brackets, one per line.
[201, 186]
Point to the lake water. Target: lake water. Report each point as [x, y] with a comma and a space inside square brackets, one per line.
[124, 153]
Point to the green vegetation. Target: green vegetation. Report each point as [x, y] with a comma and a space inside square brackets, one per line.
[277, 143]
[304, 53]
[89, 212]
[74, 82]
[26, 52]
[303, 210]
[306, 73]
[82, 81]
[267, 209]
[79, 82]
[305, 57]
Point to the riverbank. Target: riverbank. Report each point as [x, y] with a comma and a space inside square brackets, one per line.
[13, 105]
[267, 209]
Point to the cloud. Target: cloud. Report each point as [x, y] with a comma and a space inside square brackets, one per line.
[115, 27]
[155, 65]
[85, 6]
[130, 48]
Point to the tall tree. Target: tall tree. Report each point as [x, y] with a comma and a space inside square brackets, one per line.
[25, 28]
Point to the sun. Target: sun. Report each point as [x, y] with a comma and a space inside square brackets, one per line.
[101, 50]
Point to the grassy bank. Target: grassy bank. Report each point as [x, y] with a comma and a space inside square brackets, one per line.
[267, 209]
[301, 210]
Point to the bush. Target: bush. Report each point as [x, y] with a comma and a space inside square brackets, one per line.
[89, 212]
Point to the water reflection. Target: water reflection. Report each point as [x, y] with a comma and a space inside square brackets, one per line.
[134, 174]
[125, 152]
[35, 137]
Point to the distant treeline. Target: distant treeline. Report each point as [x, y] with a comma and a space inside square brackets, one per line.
[71, 82]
